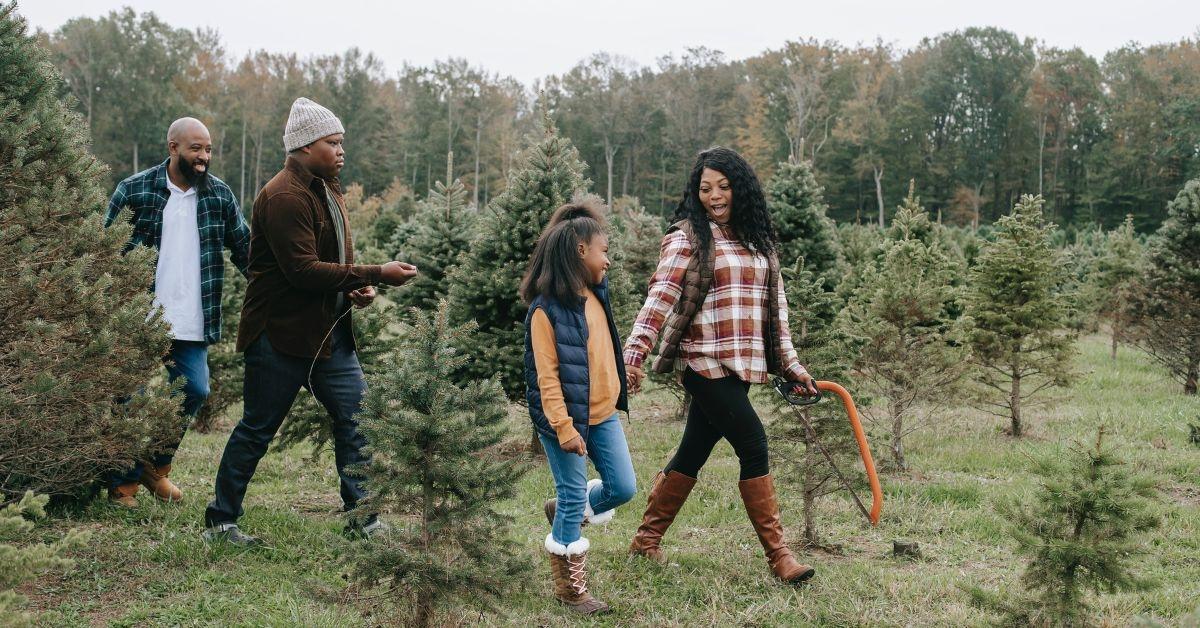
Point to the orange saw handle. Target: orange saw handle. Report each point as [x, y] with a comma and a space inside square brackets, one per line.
[860, 436]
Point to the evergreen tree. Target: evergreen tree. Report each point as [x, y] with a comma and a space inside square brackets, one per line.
[1166, 314]
[1083, 532]
[484, 287]
[829, 352]
[74, 336]
[903, 309]
[638, 234]
[429, 439]
[1119, 274]
[443, 228]
[1016, 333]
[24, 562]
[798, 210]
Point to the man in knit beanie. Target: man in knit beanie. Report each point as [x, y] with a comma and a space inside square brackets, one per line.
[296, 325]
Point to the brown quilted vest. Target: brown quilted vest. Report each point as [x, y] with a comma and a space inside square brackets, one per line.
[697, 279]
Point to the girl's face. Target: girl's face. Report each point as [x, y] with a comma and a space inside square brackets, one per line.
[716, 195]
[595, 257]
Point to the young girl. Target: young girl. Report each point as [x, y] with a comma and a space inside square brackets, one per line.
[575, 384]
[718, 299]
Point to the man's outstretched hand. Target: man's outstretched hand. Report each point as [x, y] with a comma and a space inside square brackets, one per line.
[397, 273]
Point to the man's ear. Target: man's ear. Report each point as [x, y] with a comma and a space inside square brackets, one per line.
[172, 147]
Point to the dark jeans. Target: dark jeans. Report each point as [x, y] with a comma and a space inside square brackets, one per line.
[271, 384]
[720, 409]
[187, 359]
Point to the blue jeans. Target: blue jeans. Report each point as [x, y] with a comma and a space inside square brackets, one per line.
[272, 382]
[609, 452]
[187, 359]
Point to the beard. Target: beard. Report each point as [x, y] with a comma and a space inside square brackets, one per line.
[195, 178]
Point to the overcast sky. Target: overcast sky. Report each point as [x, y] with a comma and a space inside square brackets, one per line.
[531, 39]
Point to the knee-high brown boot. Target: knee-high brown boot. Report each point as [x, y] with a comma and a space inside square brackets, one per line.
[666, 497]
[758, 495]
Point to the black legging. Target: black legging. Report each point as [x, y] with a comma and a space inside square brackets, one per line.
[720, 409]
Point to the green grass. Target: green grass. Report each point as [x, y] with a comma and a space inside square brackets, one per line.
[150, 567]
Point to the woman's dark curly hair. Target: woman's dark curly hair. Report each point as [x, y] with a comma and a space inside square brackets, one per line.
[749, 219]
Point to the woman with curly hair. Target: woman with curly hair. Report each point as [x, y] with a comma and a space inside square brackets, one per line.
[718, 299]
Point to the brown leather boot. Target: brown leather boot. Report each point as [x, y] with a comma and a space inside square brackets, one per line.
[124, 494]
[758, 495]
[666, 498]
[155, 480]
[568, 563]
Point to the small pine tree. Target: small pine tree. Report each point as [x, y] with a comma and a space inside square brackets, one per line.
[484, 287]
[443, 226]
[798, 210]
[1166, 313]
[429, 440]
[829, 351]
[1082, 533]
[1016, 333]
[1119, 272]
[903, 309]
[24, 562]
[74, 337]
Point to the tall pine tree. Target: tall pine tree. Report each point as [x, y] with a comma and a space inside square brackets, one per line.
[903, 309]
[829, 352]
[443, 227]
[798, 210]
[1166, 314]
[74, 336]
[1018, 315]
[429, 440]
[1119, 272]
[484, 287]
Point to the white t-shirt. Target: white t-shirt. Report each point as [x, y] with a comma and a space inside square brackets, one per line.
[177, 278]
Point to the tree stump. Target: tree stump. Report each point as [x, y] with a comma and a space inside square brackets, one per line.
[906, 549]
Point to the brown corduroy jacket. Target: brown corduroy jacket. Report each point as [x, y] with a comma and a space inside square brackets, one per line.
[294, 272]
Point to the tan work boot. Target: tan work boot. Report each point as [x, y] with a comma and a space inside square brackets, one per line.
[666, 498]
[758, 495]
[155, 480]
[123, 495]
[568, 563]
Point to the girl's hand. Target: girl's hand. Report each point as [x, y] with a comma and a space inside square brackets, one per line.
[575, 446]
[633, 378]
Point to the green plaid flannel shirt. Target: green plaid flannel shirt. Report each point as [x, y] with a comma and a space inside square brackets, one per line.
[218, 217]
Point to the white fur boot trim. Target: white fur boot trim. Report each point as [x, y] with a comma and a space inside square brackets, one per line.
[574, 549]
[588, 514]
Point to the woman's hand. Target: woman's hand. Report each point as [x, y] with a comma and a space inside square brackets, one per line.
[806, 385]
[633, 378]
[575, 446]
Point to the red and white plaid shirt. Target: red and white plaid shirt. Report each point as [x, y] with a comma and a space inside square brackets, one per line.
[726, 335]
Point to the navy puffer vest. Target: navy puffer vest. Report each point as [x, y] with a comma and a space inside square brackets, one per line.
[570, 338]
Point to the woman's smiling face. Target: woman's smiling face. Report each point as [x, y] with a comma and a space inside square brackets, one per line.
[716, 195]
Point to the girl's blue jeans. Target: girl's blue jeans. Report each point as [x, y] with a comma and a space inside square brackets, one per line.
[609, 452]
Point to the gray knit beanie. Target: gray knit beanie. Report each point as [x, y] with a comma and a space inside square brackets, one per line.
[307, 123]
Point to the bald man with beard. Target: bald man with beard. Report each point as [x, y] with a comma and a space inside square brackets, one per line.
[190, 216]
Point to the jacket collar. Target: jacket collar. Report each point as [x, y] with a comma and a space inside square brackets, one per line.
[306, 176]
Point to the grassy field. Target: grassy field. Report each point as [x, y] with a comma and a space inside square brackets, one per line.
[150, 567]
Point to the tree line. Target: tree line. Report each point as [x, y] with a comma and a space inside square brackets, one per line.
[976, 117]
